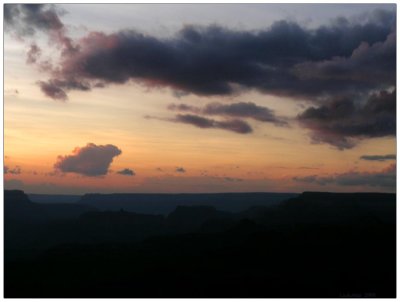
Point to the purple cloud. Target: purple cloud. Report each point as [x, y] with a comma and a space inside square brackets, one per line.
[91, 160]
[235, 110]
[234, 125]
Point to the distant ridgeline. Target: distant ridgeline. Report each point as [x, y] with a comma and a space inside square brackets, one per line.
[166, 203]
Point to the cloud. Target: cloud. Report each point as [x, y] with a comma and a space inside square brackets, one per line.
[384, 179]
[91, 160]
[214, 60]
[234, 125]
[366, 64]
[51, 89]
[180, 170]
[56, 88]
[127, 172]
[235, 110]
[286, 59]
[379, 157]
[342, 122]
[15, 171]
[26, 19]
[33, 54]
[232, 179]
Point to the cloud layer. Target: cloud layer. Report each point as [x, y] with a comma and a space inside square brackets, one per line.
[379, 157]
[91, 160]
[384, 179]
[346, 68]
[285, 59]
[234, 110]
[234, 125]
[342, 122]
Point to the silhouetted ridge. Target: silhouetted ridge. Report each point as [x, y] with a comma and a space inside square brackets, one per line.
[19, 209]
[166, 203]
[314, 245]
[16, 196]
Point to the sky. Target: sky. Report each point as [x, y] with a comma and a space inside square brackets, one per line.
[199, 98]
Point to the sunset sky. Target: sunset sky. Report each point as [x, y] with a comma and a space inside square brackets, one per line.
[199, 98]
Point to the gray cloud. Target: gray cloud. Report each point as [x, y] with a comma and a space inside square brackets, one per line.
[285, 59]
[25, 19]
[342, 122]
[384, 179]
[215, 60]
[366, 64]
[33, 54]
[16, 170]
[379, 157]
[234, 125]
[53, 90]
[127, 172]
[180, 170]
[91, 160]
[235, 110]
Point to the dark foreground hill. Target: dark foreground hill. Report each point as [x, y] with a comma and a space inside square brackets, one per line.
[166, 203]
[324, 245]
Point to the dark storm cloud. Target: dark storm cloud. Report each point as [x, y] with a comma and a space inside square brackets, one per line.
[385, 178]
[343, 121]
[215, 60]
[127, 172]
[180, 170]
[240, 109]
[234, 125]
[378, 157]
[91, 160]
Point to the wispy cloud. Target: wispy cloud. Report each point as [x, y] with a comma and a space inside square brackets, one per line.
[379, 157]
[385, 178]
[234, 110]
[126, 172]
